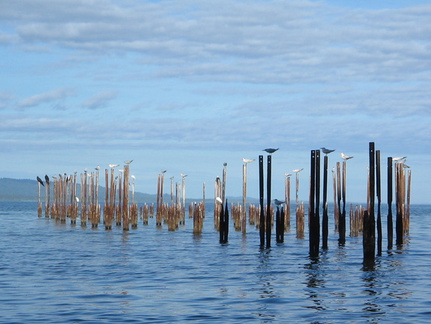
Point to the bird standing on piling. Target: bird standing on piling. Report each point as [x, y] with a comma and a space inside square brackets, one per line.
[278, 202]
[247, 160]
[326, 151]
[346, 157]
[270, 150]
[113, 165]
[40, 181]
[400, 158]
[297, 170]
[128, 161]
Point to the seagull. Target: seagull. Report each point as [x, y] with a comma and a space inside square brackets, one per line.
[113, 165]
[326, 151]
[287, 174]
[406, 166]
[164, 171]
[297, 170]
[183, 175]
[400, 158]
[77, 199]
[247, 160]
[97, 168]
[46, 179]
[270, 150]
[133, 177]
[128, 162]
[40, 181]
[278, 202]
[218, 199]
[346, 157]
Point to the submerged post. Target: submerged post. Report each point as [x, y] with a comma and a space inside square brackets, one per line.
[378, 193]
[313, 217]
[325, 204]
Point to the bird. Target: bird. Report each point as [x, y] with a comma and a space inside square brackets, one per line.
[133, 177]
[346, 157]
[405, 166]
[287, 174]
[113, 165]
[326, 151]
[270, 150]
[97, 168]
[40, 181]
[400, 158]
[164, 171]
[77, 199]
[46, 179]
[278, 202]
[128, 161]
[247, 160]
[297, 170]
[183, 175]
[218, 199]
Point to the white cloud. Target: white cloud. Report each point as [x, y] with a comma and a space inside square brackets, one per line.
[46, 97]
[100, 99]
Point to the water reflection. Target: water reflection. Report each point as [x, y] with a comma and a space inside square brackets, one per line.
[315, 281]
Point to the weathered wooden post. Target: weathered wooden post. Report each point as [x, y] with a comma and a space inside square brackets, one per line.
[369, 239]
[378, 193]
[126, 198]
[313, 216]
[262, 212]
[325, 204]
[268, 203]
[287, 202]
[390, 224]
[279, 225]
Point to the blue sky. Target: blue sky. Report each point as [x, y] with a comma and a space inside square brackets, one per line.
[188, 85]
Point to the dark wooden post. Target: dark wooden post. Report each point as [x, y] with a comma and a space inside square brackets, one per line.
[262, 211]
[379, 217]
[390, 224]
[268, 203]
[313, 218]
[369, 221]
[325, 204]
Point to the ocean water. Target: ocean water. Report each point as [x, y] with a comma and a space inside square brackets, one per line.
[60, 273]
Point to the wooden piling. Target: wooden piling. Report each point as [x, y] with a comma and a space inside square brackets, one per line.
[313, 215]
[262, 212]
[369, 240]
[268, 203]
[325, 204]
[287, 203]
[390, 225]
[378, 194]
[279, 225]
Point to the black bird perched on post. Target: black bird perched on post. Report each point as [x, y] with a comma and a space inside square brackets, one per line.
[270, 150]
[326, 151]
[47, 179]
[40, 181]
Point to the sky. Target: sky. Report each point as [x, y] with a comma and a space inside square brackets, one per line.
[186, 86]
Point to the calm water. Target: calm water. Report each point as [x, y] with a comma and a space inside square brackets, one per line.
[57, 273]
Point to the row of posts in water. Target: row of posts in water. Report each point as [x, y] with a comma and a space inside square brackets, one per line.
[362, 219]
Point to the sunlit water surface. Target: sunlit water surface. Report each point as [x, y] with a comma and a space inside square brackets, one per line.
[58, 273]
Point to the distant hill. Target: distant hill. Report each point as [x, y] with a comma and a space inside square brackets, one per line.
[26, 190]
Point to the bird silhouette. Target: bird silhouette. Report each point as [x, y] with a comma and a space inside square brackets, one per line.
[247, 160]
[46, 179]
[40, 181]
[326, 151]
[270, 150]
[278, 202]
[346, 157]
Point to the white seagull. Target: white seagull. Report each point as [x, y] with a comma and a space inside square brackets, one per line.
[183, 175]
[287, 174]
[218, 199]
[247, 160]
[128, 162]
[113, 165]
[97, 168]
[346, 157]
[400, 158]
[297, 170]
[326, 151]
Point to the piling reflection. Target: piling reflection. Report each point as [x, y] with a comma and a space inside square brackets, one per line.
[315, 281]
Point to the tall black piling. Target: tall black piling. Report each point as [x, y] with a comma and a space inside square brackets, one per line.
[390, 224]
[313, 217]
[262, 211]
[325, 204]
[379, 200]
[369, 239]
[268, 203]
